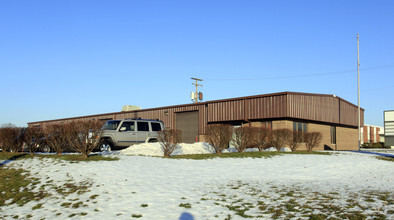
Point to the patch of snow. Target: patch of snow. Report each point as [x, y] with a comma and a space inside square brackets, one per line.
[382, 150]
[196, 148]
[285, 149]
[145, 149]
[154, 149]
[155, 187]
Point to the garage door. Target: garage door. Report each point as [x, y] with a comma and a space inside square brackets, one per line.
[187, 122]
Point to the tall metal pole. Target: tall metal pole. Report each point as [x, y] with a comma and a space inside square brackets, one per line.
[358, 92]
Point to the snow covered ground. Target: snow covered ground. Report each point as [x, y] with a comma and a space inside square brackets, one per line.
[383, 150]
[286, 186]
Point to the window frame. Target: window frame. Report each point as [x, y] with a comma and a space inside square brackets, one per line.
[154, 124]
[300, 126]
[333, 134]
[143, 122]
[127, 123]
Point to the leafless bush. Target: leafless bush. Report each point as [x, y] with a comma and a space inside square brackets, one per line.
[168, 139]
[244, 137]
[219, 136]
[10, 138]
[263, 138]
[295, 142]
[57, 137]
[83, 136]
[7, 125]
[312, 140]
[280, 137]
[33, 137]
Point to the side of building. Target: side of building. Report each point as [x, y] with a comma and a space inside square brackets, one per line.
[389, 127]
[372, 134]
[334, 117]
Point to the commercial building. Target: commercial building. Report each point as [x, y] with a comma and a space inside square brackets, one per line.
[372, 134]
[389, 127]
[334, 117]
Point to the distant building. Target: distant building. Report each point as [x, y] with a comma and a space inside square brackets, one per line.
[372, 134]
[389, 127]
[126, 108]
[334, 117]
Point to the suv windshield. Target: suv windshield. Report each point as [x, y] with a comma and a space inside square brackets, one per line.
[111, 125]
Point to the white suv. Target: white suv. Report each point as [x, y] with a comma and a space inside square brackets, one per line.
[118, 134]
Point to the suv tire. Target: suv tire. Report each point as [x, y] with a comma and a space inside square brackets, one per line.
[105, 146]
[45, 148]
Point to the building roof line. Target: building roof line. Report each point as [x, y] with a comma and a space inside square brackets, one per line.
[203, 103]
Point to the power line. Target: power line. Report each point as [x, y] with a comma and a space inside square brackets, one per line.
[304, 75]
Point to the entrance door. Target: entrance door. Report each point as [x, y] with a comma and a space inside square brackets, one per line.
[187, 122]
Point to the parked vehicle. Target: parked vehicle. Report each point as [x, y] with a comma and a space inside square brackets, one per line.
[118, 134]
[40, 145]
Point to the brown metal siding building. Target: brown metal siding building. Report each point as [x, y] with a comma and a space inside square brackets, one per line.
[334, 117]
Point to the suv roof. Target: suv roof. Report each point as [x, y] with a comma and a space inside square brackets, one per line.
[140, 119]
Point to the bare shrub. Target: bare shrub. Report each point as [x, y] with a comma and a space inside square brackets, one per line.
[244, 137]
[295, 142]
[263, 138]
[57, 137]
[168, 139]
[280, 137]
[312, 140]
[219, 136]
[83, 136]
[10, 138]
[33, 137]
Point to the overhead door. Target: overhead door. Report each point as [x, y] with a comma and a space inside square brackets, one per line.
[187, 122]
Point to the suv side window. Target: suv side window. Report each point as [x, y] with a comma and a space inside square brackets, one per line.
[128, 125]
[155, 126]
[142, 126]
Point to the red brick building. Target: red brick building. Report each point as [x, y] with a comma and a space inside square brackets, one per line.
[372, 134]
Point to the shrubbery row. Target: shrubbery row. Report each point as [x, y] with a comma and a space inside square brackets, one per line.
[221, 135]
[76, 136]
[374, 145]
[82, 137]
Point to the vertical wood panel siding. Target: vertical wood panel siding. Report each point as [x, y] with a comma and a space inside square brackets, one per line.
[226, 111]
[303, 106]
[322, 108]
[317, 108]
[267, 107]
[349, 114]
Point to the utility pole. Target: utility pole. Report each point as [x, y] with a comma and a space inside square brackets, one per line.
[196, 96]
[358, 92]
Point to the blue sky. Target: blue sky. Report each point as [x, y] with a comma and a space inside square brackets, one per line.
[63, 59]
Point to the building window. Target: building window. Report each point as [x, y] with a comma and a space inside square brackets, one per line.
[299, 126]
[333, 135]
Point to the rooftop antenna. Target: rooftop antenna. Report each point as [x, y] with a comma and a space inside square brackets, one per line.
[195, 96]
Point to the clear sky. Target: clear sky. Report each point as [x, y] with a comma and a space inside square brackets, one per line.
[71, 58]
